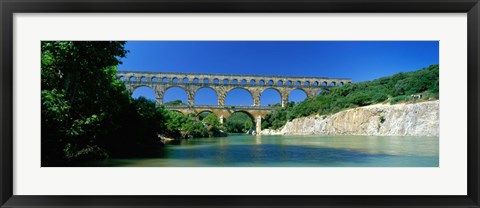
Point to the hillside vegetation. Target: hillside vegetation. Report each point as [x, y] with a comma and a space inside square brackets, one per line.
[393, 89]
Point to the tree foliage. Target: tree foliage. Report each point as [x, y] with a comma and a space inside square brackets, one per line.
[192, 126]
[239, 122]
[86, 112]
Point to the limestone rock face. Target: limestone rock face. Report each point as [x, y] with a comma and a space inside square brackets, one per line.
[417, 119]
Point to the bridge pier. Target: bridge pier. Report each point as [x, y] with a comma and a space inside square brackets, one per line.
[258, 125]
[129, 89]
[191, 98]
[311, 93]
[256, 98]
[159, 101]
[221, 99]
[159, 97]
[284, 97]
[222, 118]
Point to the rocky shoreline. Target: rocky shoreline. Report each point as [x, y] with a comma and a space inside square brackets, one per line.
[412, 119]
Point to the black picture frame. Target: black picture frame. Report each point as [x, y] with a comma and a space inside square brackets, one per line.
[9, 7]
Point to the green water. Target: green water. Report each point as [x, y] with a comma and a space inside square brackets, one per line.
[293, 151]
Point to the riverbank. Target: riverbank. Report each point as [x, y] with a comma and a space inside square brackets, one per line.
[411, 119]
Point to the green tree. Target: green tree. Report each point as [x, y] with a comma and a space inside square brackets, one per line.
[195, 129]
[215, 128]
[79, 84]
[239, 122]
[212, 120]
[248, 125]
[174, 122]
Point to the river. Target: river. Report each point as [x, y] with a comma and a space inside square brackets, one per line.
[292, 151]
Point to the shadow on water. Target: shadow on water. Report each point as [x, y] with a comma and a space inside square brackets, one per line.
[126, 160]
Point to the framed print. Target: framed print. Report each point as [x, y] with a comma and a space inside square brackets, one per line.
[239, 103]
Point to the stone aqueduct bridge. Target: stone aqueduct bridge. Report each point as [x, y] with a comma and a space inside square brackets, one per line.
[160, 82]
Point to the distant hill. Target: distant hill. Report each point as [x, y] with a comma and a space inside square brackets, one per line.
[175, 102]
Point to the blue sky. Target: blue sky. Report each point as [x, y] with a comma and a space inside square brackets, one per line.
[358, 60]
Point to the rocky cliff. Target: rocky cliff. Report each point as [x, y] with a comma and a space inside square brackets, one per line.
[417, 119]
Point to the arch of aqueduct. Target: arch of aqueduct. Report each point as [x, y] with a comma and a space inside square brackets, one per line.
[221, 84]
[160, 82]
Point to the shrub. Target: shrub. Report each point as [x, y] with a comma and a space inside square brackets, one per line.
[401, 98]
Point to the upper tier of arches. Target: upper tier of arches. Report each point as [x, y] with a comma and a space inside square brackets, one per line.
[223, 79]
